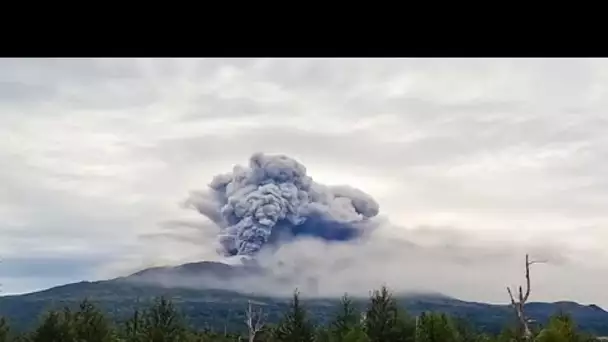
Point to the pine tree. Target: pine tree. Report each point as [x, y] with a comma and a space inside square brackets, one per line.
[347, 320]
[90, 324]
[380, 315]
[134, 327]
[465, 331]
[561, 327]
[162, 323]
[55, 327]
[295, 325]
[435, 327]
[385, 322]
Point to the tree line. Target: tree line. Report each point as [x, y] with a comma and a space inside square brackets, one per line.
[382, 320]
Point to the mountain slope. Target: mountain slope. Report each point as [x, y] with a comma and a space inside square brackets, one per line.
[212, 308]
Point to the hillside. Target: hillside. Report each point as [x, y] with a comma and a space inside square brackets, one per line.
[216, 309]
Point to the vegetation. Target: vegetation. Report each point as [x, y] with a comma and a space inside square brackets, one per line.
[381, 320]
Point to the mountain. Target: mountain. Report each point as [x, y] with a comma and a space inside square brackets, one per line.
[203, 274]
[206, 307]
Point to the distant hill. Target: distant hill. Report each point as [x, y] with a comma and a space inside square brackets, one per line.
[212, 308]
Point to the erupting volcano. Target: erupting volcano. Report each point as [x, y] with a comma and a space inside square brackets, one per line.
[274, 199]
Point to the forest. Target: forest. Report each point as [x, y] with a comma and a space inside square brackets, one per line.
[381, 320]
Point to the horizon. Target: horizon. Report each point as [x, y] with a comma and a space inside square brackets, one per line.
[473, 163]
[305, 295]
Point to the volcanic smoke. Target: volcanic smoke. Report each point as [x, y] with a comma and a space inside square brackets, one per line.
[274, 199]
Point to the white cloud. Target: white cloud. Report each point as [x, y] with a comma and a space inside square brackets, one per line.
[98, 153]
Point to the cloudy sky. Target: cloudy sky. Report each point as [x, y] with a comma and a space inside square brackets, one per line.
[478, 161]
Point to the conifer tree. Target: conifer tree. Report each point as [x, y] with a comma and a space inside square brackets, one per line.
[561, 327]
[295, 325]
[90, 324]
[347, 320]
[435, 327]
[162, 323]
[385, 322]
[134, 327]
[55, 327]
[466, 332]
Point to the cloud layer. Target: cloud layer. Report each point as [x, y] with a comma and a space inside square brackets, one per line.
[98, 154]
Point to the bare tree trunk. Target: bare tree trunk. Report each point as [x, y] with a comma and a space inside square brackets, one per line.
[518, 306]
[254, 321]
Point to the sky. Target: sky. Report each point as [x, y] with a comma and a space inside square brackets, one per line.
[473, 161]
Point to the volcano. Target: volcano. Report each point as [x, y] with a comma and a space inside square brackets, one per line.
[202, 293]
[196, 275]
[204, 270]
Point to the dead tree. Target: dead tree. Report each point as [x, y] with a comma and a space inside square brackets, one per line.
[518, 305]
[254, 321]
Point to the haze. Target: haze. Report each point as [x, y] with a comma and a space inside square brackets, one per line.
[475, 162]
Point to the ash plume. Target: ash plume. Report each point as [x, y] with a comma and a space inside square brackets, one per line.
[273, 200]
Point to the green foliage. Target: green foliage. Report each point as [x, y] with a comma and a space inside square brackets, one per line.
[509, 334]
[466, 332]
[266, 334]
[86, 324]
[323, 334]
[4, 330]
[91, 325]
[162, 323]
[134, 327]
[356, 334]
[216, 309]
[346, 321]
[295, 326]
[435, 327]
[56, 326]
[383, 321]
[562, 328]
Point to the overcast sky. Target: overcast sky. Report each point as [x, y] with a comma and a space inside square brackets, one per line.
[480, 161]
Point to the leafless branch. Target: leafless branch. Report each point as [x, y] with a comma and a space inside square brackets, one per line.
[523, 298]
[511, 295]
[254, 320]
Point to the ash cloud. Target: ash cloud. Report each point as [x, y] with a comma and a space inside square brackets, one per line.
[255, 210]
[425, 260]
[274, 200]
